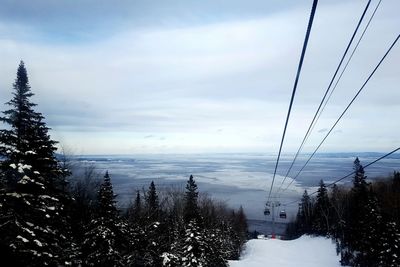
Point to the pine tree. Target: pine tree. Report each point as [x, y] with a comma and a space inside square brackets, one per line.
[322, 211]
[155, 231]
[370, 229]
[239, 224]
[338, 203]
[135, 210]
[191, 209]
[27, 140]
[389, 241]
[358, 208]
[105, 241]
[33, 205]
[306, 214]
[33, 231]
[194, 247]
[152, 204]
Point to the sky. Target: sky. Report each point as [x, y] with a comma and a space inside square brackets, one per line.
[128, 77]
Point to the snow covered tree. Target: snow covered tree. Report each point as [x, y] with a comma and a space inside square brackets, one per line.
[152, 204]
[239, 227]
[152, 241]
[191, 209]
[105, 239]
[367, 248]
[26, 140]
[306, 214]
[389, 241]
[32, 201]
[358, 210]
[322, 211]
[172, 257]
[194, 247]
[33, 230]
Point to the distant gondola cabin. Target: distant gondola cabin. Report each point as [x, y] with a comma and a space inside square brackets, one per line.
[282, 214]
[267, 212]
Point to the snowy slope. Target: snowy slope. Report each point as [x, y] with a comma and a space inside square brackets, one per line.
[305, 251]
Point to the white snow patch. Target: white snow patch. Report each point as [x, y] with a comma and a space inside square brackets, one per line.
[12, 165]
[23, 239]
[29, 231]
[38, 243]
[25, 180]
[47, 197]
[304, 251]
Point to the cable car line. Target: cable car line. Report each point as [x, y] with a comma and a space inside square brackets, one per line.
[347, 63]
[313, 9]
[348, 175]
[319, 110]
[345, 110]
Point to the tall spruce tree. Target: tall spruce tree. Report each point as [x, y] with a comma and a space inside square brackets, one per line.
[389, 241]
[135, 210]
[322, 211]
[152, 203]
[33, 219]
[153, 240]
[191, 209]
[26, 140]
[105, 239]
[306, 213]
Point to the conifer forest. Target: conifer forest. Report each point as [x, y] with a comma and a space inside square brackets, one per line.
[48, 220]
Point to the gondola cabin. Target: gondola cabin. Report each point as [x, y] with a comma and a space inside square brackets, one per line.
[282, 214]
[267, 212]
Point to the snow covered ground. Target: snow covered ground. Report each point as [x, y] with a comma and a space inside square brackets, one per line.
[305, 251]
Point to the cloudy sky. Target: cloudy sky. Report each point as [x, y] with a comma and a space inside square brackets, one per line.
[180, 76]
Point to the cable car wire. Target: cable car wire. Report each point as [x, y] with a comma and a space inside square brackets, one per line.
[347, 63]
[348, 175]
[319, 110]
[303, 52]
[345, 110]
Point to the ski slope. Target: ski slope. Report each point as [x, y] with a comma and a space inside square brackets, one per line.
[305, 251]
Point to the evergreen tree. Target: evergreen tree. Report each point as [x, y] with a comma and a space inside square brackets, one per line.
[105, 240]
[322, 211]
[368, 247]
[191, 209]
[172, 257]
[32, 229]
[135, 210]
[306, 213]
[32, 200]
[152, 204]
[389, 241]
[395, 192]
[358, 209]
[27, 140]
[239, 224]
[154, 230]
[339, 205]
[194, 247]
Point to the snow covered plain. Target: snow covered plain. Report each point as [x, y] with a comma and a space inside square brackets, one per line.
[305, 251]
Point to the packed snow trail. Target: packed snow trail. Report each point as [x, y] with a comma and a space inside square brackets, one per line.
[306, 251]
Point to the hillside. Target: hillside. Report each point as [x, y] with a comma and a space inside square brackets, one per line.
[305, 251]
